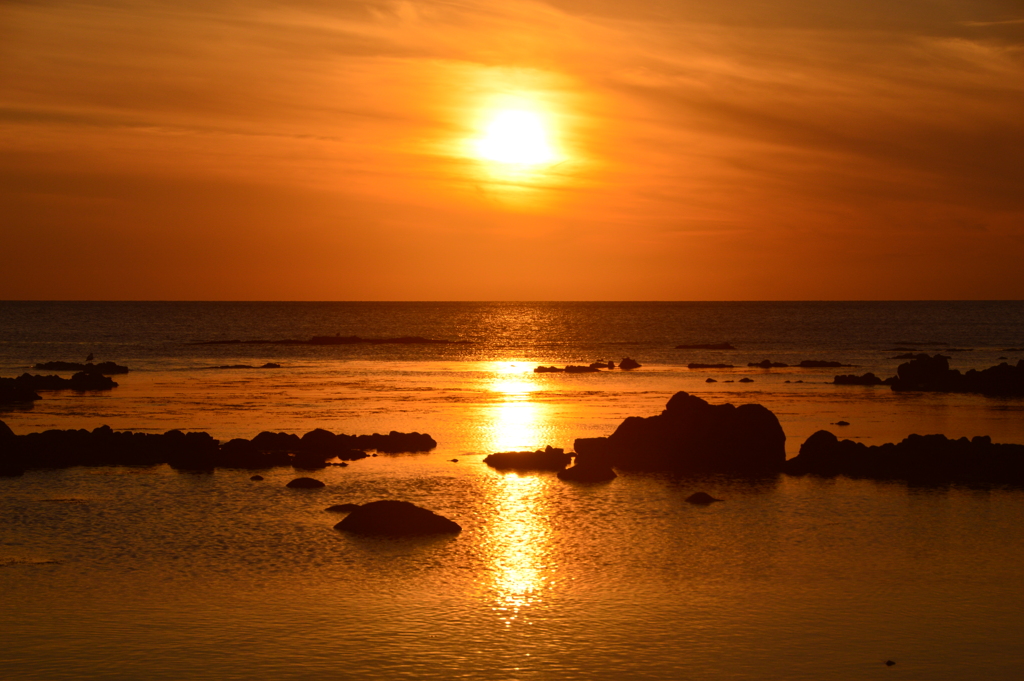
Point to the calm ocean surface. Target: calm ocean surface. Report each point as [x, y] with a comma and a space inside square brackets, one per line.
[119, 573]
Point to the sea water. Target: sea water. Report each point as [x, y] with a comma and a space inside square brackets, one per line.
[130, 573]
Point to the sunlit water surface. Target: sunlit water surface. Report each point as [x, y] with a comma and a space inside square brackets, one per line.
[121, 573]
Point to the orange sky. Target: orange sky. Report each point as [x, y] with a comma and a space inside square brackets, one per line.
[329, 150]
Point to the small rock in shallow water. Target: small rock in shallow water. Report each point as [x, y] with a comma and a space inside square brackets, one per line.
[889, 663]
[701, 498]
[305, 483]
[256, 478]
[396, 518]
[842, 423]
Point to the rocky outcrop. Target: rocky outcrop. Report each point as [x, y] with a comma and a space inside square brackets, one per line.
[547, 459]
[628, 363]
[867, 379]
[199, 451]
[396, 518]
[105, 368]
[80, 381]
[693, 436]
[767, 364]
[932, 373]
[13, 391]
[917, 457]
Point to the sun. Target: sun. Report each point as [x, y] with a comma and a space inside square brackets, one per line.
[515, 136]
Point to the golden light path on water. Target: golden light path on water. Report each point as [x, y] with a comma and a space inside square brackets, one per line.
[519, 541]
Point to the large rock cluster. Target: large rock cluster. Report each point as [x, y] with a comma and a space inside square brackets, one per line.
[932, 373]
[691, 435]
[918, 457]
[197, 451]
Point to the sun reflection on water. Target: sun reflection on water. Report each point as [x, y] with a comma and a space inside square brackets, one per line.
[519, 548]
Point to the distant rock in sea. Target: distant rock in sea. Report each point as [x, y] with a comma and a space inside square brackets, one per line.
[198, 451]
[268, 365]
[867, 379]
[705, 346]
[701, 499]
[696, 365]
[629, 364]
[933, 374]
[547, 459]
[767, 364]
[81, 381]
[105, 368]
[396, 518]
[917, 457]
[745, 379]
[693, 436]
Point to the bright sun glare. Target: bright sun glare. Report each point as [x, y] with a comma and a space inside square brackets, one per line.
[515, 136]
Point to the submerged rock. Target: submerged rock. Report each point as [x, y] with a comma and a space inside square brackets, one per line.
[396, 518]
[691, 435]
[547, 459]
[305, 483]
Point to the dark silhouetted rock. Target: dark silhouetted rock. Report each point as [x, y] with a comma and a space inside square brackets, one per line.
[696, 365]
[917, 457]
[105, 368]
[746, 380]
[842, 423]
[926, 373]
[701, 498]
[889, 663]
[305, 483]
[13, 391]
[547, 370]
[768, 364]
[867, 379]
[396, 518]
[572, 369]
[602, 365]
[342, 508]
[691, 435]
[711, 380]
[256, 478]
[268, 365]
[588, 471]
[548, 459]
[80, 381]
[277, 442]
[629, 364]
[706, 346]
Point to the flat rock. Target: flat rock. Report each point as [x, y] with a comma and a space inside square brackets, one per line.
[701, 498]
[390, 517]
[547, 459]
